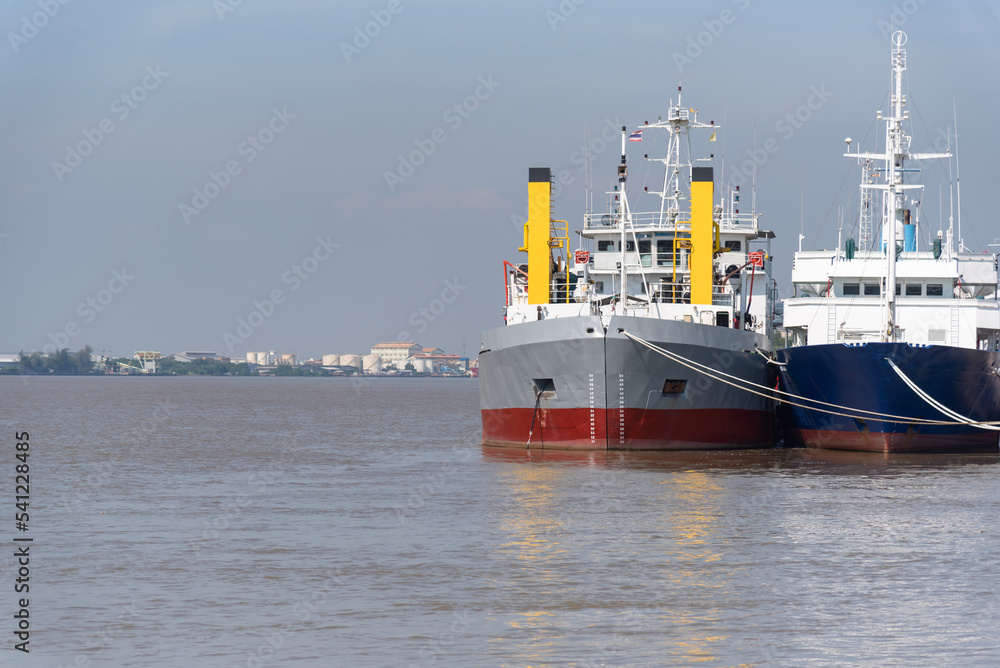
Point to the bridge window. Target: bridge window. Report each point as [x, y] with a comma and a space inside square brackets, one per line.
[852, 289]
[664, 251]
[734, 245]
[873, 289]
[935, 290]
[914, 289]
[645, 255]
[605, 245]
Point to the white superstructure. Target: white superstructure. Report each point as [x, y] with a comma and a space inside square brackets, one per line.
[639, 263]
[926, 292]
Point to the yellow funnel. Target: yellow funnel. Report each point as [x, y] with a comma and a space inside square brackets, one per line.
[537, 234]
[702, 243]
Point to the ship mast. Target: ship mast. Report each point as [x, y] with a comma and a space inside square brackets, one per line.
[622, 206]
[677, 163]
[893, 216]
[866, 235]
[897, 146]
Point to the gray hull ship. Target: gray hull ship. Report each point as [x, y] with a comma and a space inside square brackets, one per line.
[648, 340]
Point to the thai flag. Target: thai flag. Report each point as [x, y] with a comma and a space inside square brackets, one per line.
[635, 136]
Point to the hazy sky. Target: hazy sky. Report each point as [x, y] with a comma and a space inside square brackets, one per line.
[168, 168]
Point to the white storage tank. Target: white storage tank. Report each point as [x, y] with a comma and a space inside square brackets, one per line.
[372, 363]
[331, 360]
[351, 360]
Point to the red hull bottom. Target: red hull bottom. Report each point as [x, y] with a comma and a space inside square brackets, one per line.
[867, 441]
[628, 429]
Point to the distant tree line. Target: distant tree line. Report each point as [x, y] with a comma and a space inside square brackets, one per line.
[205, 367]
[285, 370]
[202, 367]
[60, 361]
[64, 362]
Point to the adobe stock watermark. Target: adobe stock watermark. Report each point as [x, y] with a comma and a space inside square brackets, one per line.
[381, 18]
[294, 276]
[223, 7]
[944, 140]
[787, 126]
[81, 495]
[609, 137]
[565, 9]
[454, 116]
[444, 643]
[265, 651]
[705, 381]
[88, 310]
[111, 632]
[248, 149]
[900, 14]
[423, 316]
[105, 640]
[609, 653]
[435, 482]
[30, 26]
[122, 107]
[421, 319]
[232, 509]
[714, 28]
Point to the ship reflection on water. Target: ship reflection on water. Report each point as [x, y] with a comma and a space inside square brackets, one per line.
[692, 508]
[804, 460]
[675, 564]
[558, 575]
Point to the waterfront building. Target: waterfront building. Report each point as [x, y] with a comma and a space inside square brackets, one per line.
[396, 350]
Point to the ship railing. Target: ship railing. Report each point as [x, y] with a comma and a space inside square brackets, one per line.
[561, 291]
[667, 220]
[599, 221]
[665, 292]
[736, 222]
[568, 292]
[680, 293]
[644, 220]
[515, 283]
[720, 297]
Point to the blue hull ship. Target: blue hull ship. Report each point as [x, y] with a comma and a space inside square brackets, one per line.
[860, 390]
[893, 346]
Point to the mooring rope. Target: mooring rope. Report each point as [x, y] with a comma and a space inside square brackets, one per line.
[935, 403]
[858, 414]
[770, 358]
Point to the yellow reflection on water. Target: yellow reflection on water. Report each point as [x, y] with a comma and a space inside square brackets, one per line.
[692, 503]
[531, 518]
[536, 516]
[693, 507]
